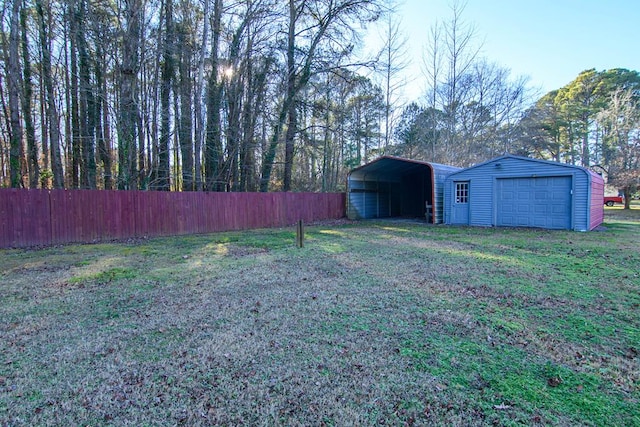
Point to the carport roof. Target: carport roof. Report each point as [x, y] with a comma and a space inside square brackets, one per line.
[390, 166]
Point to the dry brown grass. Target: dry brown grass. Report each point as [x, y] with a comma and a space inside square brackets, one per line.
[380, 323]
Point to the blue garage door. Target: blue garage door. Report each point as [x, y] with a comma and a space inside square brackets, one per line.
[535, 202]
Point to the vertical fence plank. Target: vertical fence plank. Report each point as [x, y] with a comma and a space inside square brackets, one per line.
[6, 216]
[60, 224]
[41, 215]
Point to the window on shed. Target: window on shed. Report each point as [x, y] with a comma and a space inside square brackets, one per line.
[462, 192]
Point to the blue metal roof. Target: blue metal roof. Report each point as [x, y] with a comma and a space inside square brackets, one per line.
[529, 159]
[394, 166]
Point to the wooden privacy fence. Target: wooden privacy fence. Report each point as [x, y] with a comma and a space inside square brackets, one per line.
[50, 217]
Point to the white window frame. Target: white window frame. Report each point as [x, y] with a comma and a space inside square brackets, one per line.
[462, 192]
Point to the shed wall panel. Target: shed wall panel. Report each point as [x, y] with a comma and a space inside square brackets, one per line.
[480, 204]
[369, 199]
[438, 200]
[596, 204]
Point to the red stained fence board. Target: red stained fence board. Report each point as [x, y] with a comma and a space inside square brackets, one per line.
[45, 217]
[91, 215]
[25, 218]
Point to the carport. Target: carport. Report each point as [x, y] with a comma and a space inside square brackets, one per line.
[391, 187]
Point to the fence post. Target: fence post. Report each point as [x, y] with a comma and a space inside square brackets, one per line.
[300, 234]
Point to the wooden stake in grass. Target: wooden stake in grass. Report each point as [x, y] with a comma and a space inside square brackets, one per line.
[300, 234]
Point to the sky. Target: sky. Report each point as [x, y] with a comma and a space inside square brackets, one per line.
[549, 41]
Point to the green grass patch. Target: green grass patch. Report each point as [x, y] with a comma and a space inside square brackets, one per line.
[106, 276]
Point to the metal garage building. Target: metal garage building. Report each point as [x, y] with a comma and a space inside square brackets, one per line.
[395, 187]
[515, 191]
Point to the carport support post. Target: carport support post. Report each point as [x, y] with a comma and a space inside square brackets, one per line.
[299, 234]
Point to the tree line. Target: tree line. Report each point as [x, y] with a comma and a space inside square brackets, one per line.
[472, 105]
[214, 95]
[594, 121]
[475, 110]
[261, 95]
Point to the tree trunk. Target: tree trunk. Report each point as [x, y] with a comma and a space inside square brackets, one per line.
[73, 74]
[44, 125]
[213, 144]
[186, 115]
[51, 108]
[246, 164]
[326, 137]
[236, 79]
[270, 152]
[255, 96]
[175, 171]
[4, 143]
[234, 92]
[128, 109]
[32, 147]
[87, 105]
[292, 119]
[15, 132]
[586, 154]
[200, 119]
[102, 120]
[166, 74]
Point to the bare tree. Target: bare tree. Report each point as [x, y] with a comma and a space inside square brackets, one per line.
[27, 95]
[185, 128]
[394, 62]
[208, 95]
[128, 87]
[620, 127]
[432, 68]
[315, 28]
[102, 120]
[53, 119]
[87, 101]
[213, 141]
[460, 54]
[200, 120]
[161, 181]
[13, 77]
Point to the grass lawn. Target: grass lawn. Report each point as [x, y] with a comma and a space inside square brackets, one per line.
[392, 323]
